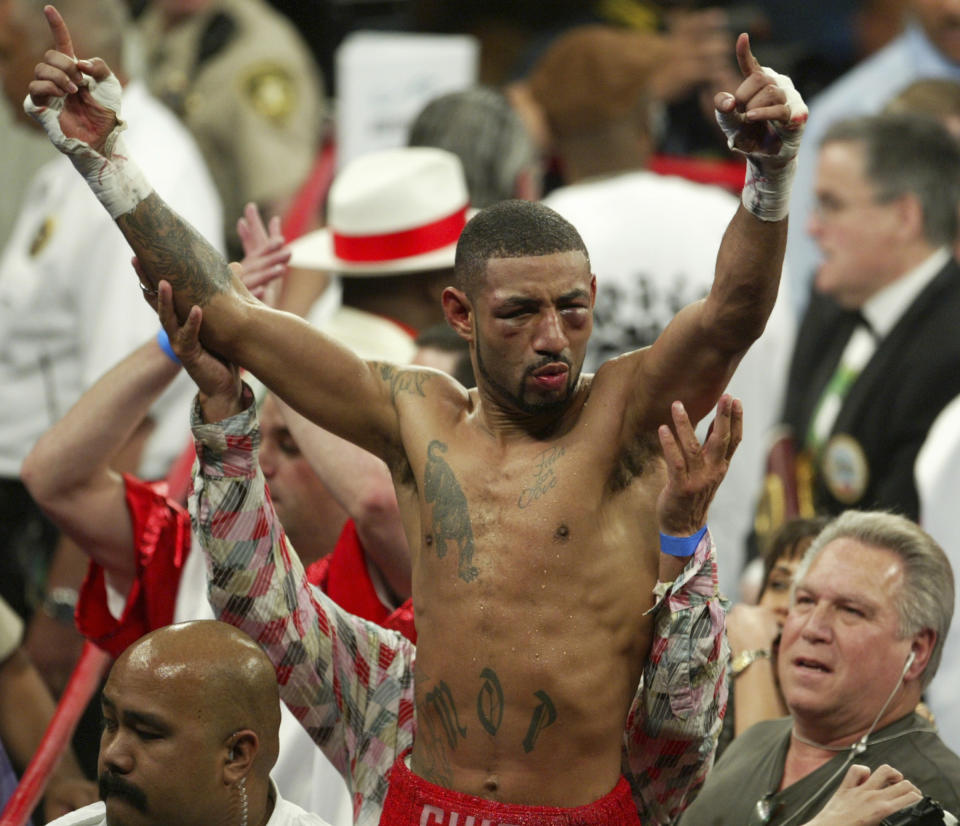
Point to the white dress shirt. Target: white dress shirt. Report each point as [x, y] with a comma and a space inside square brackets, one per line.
[70, 306]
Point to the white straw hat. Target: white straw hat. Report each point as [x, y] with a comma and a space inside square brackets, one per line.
[390, 212]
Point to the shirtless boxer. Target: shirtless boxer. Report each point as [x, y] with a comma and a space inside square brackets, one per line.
[530, 501]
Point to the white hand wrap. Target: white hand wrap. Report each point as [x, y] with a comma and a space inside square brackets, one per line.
[766, 190]
[116, 180]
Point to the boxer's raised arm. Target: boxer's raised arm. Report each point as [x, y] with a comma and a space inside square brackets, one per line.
[78, 104]
[697, 353]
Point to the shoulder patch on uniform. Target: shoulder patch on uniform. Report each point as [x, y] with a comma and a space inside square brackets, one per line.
[271, 90]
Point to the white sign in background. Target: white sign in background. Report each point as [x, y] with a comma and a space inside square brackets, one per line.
[384, 79]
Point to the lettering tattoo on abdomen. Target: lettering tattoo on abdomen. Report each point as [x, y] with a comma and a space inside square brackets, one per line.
[544, 715]
[440, 731]
[441, 699]
[168, 247]
[490, 709]
[490, 702]
[544, 477]
[451, 517]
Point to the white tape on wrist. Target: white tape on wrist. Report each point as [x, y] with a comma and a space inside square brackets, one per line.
[116, 180]
[769, 179]
[766, 189]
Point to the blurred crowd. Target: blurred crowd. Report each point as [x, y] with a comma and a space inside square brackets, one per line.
[836, 512]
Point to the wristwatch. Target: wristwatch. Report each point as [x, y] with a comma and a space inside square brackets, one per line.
[739, 663]
[60, 604]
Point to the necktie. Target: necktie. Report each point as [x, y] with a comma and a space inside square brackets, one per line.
[860, 348]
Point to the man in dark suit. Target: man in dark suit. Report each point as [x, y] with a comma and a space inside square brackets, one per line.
[877, 354]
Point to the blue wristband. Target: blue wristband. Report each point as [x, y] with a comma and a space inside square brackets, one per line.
[681, 545]
[163, 340]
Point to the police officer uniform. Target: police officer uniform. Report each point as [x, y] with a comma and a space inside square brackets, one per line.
[245, 84]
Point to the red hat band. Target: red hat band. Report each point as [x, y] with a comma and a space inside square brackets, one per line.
[393, 245]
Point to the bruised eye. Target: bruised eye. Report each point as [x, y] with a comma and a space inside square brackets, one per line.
[516, 313]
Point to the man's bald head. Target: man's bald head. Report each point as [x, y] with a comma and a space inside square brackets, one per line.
[191, 715]
[224, 675]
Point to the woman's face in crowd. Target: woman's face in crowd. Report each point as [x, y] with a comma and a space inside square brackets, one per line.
[776, 590]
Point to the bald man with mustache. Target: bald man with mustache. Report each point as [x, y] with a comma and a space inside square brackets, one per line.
[190, 720]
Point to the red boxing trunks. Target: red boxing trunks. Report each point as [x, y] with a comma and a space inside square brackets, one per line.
[412, 801]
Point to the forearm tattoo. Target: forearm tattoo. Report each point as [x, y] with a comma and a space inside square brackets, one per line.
[451, 516]
[169, 248]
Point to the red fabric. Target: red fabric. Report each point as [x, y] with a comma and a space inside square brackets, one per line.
[402, 620]
[413, 801]
[726, 173]
[161, 531]
[307, 204]
[413, 332]
[393, 245]
[83, 685]
[343, 576]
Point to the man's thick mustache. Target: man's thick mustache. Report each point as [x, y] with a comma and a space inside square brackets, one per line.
[113, 785]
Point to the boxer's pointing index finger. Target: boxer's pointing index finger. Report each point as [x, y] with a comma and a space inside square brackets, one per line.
[745, 59]
[61, 34]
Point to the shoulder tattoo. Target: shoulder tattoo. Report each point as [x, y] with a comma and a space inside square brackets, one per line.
[403, 381]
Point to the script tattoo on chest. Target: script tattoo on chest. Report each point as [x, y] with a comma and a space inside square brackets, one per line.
[403, 381]
[451, 517]
[544, 477]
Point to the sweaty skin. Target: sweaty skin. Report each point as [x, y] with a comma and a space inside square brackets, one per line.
[535, 563]
[530, 502]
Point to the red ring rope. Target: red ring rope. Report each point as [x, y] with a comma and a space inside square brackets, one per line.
[84, 681]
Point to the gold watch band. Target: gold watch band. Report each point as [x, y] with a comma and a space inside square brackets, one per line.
[745, 658]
